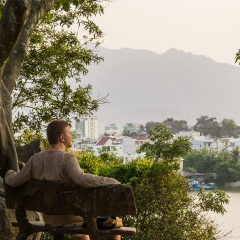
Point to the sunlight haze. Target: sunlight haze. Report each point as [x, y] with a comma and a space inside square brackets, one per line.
[206, 27]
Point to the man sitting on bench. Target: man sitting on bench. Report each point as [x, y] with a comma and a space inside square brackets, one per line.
[56, 164]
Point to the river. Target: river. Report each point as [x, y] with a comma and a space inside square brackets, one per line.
[230, 221]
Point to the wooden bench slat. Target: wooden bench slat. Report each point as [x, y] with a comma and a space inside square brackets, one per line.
[123, 231]
[41, 227]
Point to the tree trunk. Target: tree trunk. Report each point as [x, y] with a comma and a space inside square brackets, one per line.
[8, 154]
[14, 16]
[16, 27]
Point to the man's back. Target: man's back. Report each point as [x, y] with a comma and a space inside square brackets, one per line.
[50, 166]
[56, 166]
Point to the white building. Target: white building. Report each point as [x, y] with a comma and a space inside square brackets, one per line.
[233, 143]
[130, 146]
[206, 142]
[121, 147]
[88, 126]
[107, 144]
[78, 141]
[199, 142]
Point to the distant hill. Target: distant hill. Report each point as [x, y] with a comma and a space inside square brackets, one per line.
[144, 86]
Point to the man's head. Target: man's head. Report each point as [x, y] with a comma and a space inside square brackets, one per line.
[58, 131]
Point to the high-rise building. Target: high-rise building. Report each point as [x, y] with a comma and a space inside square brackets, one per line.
[88, 127]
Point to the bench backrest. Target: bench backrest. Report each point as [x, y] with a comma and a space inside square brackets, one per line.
[55, 198]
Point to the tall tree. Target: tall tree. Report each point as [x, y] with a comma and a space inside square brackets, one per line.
[229, 128]
[150, 125]
[164, 146]
[235, 154]
[19, 19]
[208, 126]
[175, 126]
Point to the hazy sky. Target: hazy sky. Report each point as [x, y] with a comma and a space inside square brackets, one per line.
[202, 27]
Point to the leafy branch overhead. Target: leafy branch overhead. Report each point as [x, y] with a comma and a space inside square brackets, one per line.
[45, 48]
[56, 58]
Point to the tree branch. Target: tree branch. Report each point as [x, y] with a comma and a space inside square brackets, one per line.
[13, 68]
[14, 16]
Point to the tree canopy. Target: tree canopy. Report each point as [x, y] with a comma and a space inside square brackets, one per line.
[207, 126]
[55, 60]
[47, 35]
[224, 166]
[164, 146]
[210, 126]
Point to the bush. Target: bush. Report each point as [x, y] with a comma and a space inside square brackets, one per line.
[165, 209]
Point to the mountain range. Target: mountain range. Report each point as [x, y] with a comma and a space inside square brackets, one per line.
[146, 86]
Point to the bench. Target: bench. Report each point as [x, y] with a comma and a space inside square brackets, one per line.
[55, 198]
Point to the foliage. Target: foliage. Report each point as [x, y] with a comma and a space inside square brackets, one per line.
[28, 136]
[150, 125]
[202, 161]
[162, 195]
[47, 236]
[235, 154]
[223, 174]
[209, 126]
[175, 126]
[229, 128]
[205, 125]
[57, 57]
[164, 146]
[225, 165]
[207, 201]
[101, 165]
[90, 163]
[237, 57]
[165, 209]
[164, 206]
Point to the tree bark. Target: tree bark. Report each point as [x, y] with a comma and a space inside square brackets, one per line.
[14, 16]
[16, 27]
[13, 67]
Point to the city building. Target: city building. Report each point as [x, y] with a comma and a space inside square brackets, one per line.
[78, 140]
[111, 129]
[130, 146]
[200, 142]
[110, 145]
[87, 129]
[132, 128]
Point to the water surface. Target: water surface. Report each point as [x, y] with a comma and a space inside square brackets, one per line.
[230, 221]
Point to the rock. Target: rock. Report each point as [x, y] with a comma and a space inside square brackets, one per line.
[27, 151]
[7, 232]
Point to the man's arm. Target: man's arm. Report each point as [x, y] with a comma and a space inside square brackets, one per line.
[15, 179]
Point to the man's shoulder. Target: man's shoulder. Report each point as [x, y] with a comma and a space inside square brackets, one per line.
[68, 155]
[49, 154]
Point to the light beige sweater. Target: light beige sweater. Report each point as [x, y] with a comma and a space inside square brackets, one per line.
[56, 166]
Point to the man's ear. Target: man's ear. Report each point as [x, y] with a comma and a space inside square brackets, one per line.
[62, 138]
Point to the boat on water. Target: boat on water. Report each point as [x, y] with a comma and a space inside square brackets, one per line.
[195, 186]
